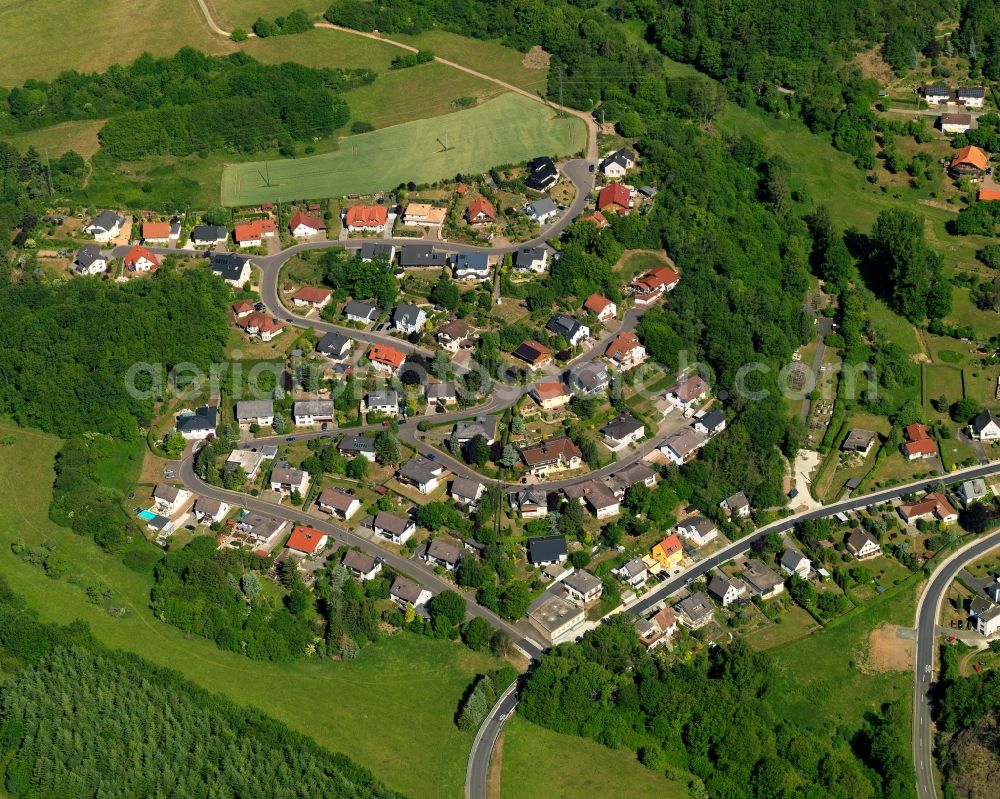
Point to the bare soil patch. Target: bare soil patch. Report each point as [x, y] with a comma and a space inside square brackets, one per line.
[872, 65]
[496, 770]
[536, 58]
[887, 651]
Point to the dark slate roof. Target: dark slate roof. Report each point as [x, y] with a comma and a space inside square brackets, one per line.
[371, 250]
[209, 233]
[527, 255]
[546, 548]
[228, 265]
[472, 260]
[621, 426]
[87, 254]
[543, 173]
[421, 255]
[332, 343]
[356, 444]
[712, 419]
[982, 420]
[106, 220]
[364, 310]
[405, 313]
[541, 207]
[204, 418]
[564, 325]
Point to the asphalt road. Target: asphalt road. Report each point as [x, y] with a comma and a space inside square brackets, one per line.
[928, 610]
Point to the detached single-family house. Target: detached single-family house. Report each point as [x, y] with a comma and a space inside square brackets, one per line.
[860, 441]
[386, 358]
[424, 215]
[444, 553]
[259, 324]
[209, 235]
[156, 232]
[546, 550]
[934, 504]
[625, 351]
[335, 346]
[762, 580]
[249, 460]
[394, 528]
[653, 285]
[421, 256]
[631, 475]
[362, 312]
[471, 266]
[614, 199]
[541, 211]
[583, 587]
[385, 402]
[442, 393]
[302, 226]
[542, 174]
[252, 234]
[985, 427]
[657, 630]
[687, 392]
[863, 545]
[243, 308]
[556, 454]
[286, 479]
[232, 268]
[255, 412]
[683, 446]
[988, 622]
[169, 499]
[208, 510]
[669, 552]
[467, 491]
[366, 218]
[89, 261]
[617, 163]
[406, 592]
[596, 496]
[591, 377]
[352, 446]
[485, 426]
[456, 335]
[266, 531]
[309, 412]
[698, 530]
[794, 562]
[370, 250]
[311, 297]
[725, 590]
[969, 161]
[481, 212]
[307, 541]
[531, 503]
[534, 354]
[361, 565]
[623, 430]
[338, 502]
[711, 423]
[633, 574]
[919, 443]
[973, 490]
[935, 95]
[568, 327]
[696, 611]
[198, 425]
[139, 259]
[737, 506]
[555, 618]
[408, 318]
[970, 96]
[955, 123]
[105, 226]
[551, 395]
[421, 473]
[601, 307]
[531, 259]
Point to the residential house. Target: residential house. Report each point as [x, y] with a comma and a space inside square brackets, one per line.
[934, 504]
[601, 307]
[936, 95]
[551, 395]
[366, 218]
[583, 587]
[625, 351]
[338, 502]
[471, 266]
[687, 392]
[695, 611]
[711, 423]
[139, 259]
[287, 479]
[988, 623]
[249, 460]
[919, 443]
[531, 259]
[357, 445]
[698, 530]
[443, 393]
[424, 215]
[985, 427]
[657, 630]
[243, 308]
[596, 496]
[534, 354]
[302, 226]
[653, 285]
[259, 324]
[169, 499]
[384, 402]
[970, 96]
[307, 541]
[406, 592]
[335, 346]
[546, 550]
[408, 318]
[993, 590]
[531, 503]
[422, 473]
[198, 425]
[485, 426]
[590, 377]
[541, 211]
[209, 235]
[456, 335]
[481, 212]
[467, 491]
[568, 327]
[361, 565]
[386, 358]
[255, 412]
[311, 297]
[396, 529]
[444, 553]
[310, 412]
[556, 454]
[737, 506]
[363, 312]
[232, 268]
[266, 531]
[863, 545]
[156, 232]
[89, 261]
[726, 590]
[208, 510]
[420, 256]
[105, 227]
[683, 446]
[860, 441]
[634, 573]
[762, 580]
[252, 234]
[631, 475]
[649, 192]
[597, 219]
[973, 490]
[794, 562]
[955, 123]
[969, 161]
[623, 430]
[542, 174]
[617, 163]
[370, 250]
[614, 199]
[669, 552]
[555, 618]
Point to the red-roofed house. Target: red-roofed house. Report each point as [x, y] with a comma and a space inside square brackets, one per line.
[988, 195]
[934, 504]
[669, 552]
[303, 225]
[919, 443]
[156, 232]
[969, 161]
[307, 540]
[652, 285]
[598, 219]
[386, 358]
[262, 325]
[243, 308]
[626, 351]
[311, 295]
[372, 218]
[252, 234]
[615, 199]
[481, 212]
[551, 395]
[139, 259]
[601, 307]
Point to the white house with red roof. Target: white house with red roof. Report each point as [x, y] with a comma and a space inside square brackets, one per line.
[302, 226]
[626, 351]
[307, 541]
[654, 284]
[601, 307]
[252, 234]
[311, 296]
[139, 259]
[261, 325]
[615, 198]
[366, 218]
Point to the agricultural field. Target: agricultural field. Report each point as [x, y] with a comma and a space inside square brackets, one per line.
[229, 14]
[507, 129]
[319, 48]
[344, 706]
[81, 137]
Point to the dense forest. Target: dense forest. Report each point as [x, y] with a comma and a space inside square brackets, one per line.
[128, 722]
[712, 717]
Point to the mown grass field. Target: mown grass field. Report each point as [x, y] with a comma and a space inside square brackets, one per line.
[229, 14]
[80, 137]
[507, 129]
[391, 709]
[539, 762]
[320, 48]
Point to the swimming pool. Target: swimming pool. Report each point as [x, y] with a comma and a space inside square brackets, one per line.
[148, 515]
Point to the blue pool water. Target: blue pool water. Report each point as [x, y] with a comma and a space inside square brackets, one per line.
[148, 515]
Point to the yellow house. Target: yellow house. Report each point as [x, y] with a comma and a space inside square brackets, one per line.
[669, 552]
[551, 395]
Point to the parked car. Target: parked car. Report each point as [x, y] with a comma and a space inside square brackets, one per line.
[290, 439]
[323, 426]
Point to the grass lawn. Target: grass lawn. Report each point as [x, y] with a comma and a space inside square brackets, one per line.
[792, 625]
[348, 707]
[229, 14]
[964, 312]
[507, 129]
[45, 37]
[316, 48]
[80, 137]
[540, 762]
[897, 469]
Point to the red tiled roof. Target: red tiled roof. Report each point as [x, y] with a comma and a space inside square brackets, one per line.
[971, 156]
[916, 432]
[366, 215]
[481, 207]
[250, 231]
[550, 390]
[261, 322]
[671, 544]
[461, 188]
[299, 218]
[923, 446]
[596, 303]
[312, 294]
[138, 252]
[305, 539]
[550, 451]
[622, 345]
[614, 195]
[383, 353]
[598, 219]
[242, 306]
[986, 195]
[656, 279]
[155, 230]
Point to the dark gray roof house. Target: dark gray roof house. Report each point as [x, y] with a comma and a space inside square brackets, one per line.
[529, 257]
[371, 250]
[86, 256]
[485, 426]
[208, 234]
[471, 264]
[541, 209]
[542, 174]
[354, 445]
[360, 311]
[334, 345]
[106, 221]
[591, 377]
[563, 325]
[406, 315]
[228, 265]
[622, 427]
[204, 419]
[414, 255]
[546, 549]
